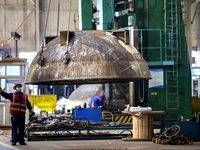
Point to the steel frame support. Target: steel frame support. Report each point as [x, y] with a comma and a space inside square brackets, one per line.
[106, 15]
[85, 14]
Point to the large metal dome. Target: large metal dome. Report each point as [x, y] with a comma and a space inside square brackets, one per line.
[92, 57]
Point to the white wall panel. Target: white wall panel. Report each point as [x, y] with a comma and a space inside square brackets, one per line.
[5, 115]
[63, 17]
[15, 12]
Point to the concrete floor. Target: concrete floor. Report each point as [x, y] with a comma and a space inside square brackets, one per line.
[92, 145]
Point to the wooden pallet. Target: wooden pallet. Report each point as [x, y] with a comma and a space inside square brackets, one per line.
[166, 141]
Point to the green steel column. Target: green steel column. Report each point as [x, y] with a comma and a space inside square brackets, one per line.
[85, 14]
[106, 14]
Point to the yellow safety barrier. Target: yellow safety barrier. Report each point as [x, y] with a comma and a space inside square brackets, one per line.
[195, 104]
[123, 118]
[44, 102]
[105, 115]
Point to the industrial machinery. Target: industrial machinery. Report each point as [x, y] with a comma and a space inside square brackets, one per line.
[161, 28]
[167, 50]
[145, 34]
[163, 44]
[88, 57]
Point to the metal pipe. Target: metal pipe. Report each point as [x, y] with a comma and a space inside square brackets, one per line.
[195, 12]
[6, 6]
[131, 7]
[113, 17]
[67, 42]
[58, 17]
[189, 29]
[74, 10]
[108, 91]
[146, 19]
[37, 30]
[16, 48]
[131, 93]
[74, 21]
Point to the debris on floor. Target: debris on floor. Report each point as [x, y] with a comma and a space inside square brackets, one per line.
[172, 136]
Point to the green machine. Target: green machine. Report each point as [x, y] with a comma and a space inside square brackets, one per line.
[161, 39]
[164, 45]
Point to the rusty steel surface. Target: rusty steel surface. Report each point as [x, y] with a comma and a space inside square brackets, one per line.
[95, 57]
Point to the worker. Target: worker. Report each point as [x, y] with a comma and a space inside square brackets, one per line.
[97, 101]
[19, 103]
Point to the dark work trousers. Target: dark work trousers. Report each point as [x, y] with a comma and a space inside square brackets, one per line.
[18, 124]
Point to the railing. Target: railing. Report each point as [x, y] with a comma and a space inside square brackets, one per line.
[162, 45]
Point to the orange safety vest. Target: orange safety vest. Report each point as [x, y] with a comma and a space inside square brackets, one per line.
[17, 107]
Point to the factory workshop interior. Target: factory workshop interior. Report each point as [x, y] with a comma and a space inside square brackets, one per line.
[140, 56]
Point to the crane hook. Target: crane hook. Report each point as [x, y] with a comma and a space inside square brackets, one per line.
[67, 58]
[40, 60]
